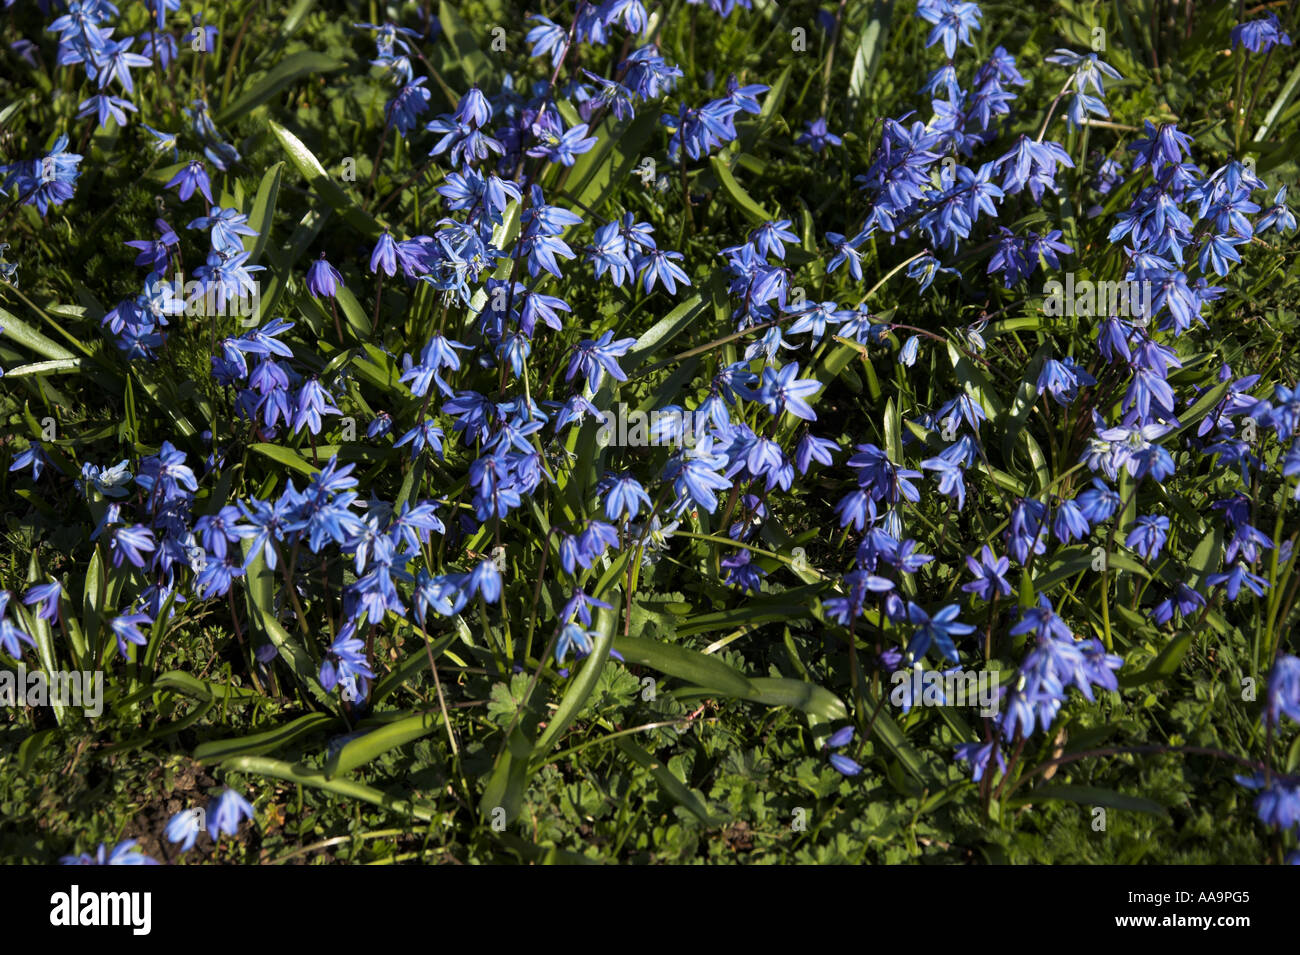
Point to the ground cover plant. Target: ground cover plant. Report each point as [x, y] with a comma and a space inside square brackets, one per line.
[649, 432]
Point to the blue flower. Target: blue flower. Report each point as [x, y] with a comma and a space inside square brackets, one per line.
[953, 21]
[1278, 802]
[979, 755]
[1148, 536]
[1283, 694]
[1260, 36]
[842, 764]
[48, 181]
[657, 266]
[344, 663]
[594, 358]
[127, 630]
[124, 853]
[623, 496]
[34, 457]
[47, 596]
[576, 638]
[226, 226]
[184, 827]
[816, 136]
[131, 544]
[191, 178]
[990, 575]
[226, 812]
[742, 572]
[783, 391]
[939, 630]
[548, 37]
[323, 280]
[384, 257]
[11, 636]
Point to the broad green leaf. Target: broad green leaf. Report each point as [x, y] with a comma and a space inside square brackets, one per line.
[1089, 796]
[373, 744]
[671, 785]
[353, 313]
[288, 71]
[1283, 97]
[1164, 665]
[263, 211]
[736, 192]
[204, 690]
[1206, 557]
[416, 662]
[575, 697]
[321, 183]
[505, 787]
[871, 45]
[756, 611]
[663, 331]
[295, 17]
[266, 741]
[975, 382]
[259, 588]
[286, 456]
[622, 147]
[689, 665]
[469, 59]
[21, 333]
[277, 769]
[60, 366]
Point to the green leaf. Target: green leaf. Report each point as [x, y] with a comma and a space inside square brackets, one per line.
[416, 662]
[286, 456]
[663, 331]
[373, 744]
[288, 71]
[266, 741]
[30, 748]
[23, 334]
[742, 199]
[353, 313]
[816, 701]
[259, 219]
[1283, 97]
[60, 366]
[505, 786]
[1199, 410]
[468, 59]
[277, 769]
[575, 697]
[1089, 796]
[204, 690]
[671, 785]
[871, 45]
[258, 587]
[689, 665]
[772, 101]
[1206, 557]
[975, 382]
[893, 432]
[321, 183]
[758, 610]
[295, 17]
[599, 172]
[1164, 665]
